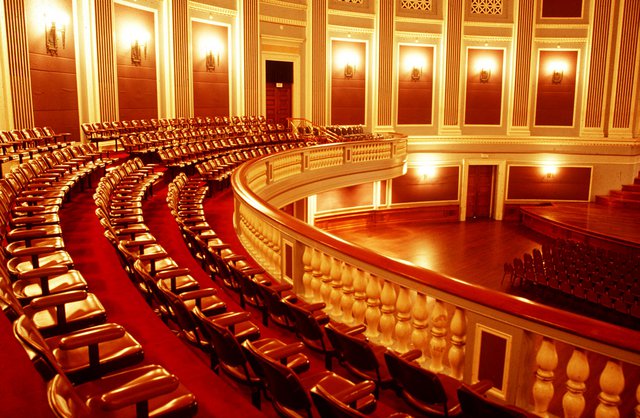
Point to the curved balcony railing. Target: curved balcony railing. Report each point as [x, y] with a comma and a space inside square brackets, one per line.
[546, 360]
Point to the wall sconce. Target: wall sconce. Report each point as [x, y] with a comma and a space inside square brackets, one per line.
[212, 54]
[416, 73]
[55, 28]
[138, 39]
[349, 69]
[414, 63]
[549, 171]
[484, 67]
[557, 74]
[427, 171]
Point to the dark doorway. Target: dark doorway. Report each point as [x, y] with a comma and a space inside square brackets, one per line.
[279, 76]
[480, 191]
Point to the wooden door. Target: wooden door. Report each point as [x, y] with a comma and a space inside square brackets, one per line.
[480, 191]
[278, 102]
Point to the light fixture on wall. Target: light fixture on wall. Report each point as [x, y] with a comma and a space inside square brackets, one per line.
[484, 67]
[549, 171]
[557, 73]
[427, 171]
[212, 51]
[138, 39]
[55, 29]
[349, 69]
[415, 63]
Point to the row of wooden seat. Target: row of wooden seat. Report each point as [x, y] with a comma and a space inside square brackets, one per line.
[90, 365]
[308, 321]
[20, 143]
[604, 281]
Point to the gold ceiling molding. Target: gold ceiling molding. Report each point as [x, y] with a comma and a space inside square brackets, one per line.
[281, 40]
[282, 21]
[422, 21]
[349, 29]
[359, 15]
[483, 38]
[200, 7]
[563, 26]
[556, 41]
[485, 24]
[419, 35]
[285, 4]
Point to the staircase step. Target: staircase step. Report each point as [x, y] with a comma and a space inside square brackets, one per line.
[636, 180]
[631, 187]
[612, 201]
[625, 195]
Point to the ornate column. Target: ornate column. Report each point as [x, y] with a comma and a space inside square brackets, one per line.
[307, 276]
[577, 373]
[251, 21]
[611, 385]
[18, 57]
[337, 267]
[325, 288]
[360, 295]
[439, 320]
[547, 361]
[316, 282]
[458, 340]
[385, 65]
[182, 79]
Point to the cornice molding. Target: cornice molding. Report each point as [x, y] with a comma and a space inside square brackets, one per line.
[200, 7]
[281, 40]
[427, 21]
[541, 40]
[482, 38]
[285, 4]
[349, 29]
[359, 15]
[488, 24]
[401, 35]
[283, 21]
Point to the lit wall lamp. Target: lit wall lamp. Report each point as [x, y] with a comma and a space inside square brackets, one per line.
[212, 55]
[484, 67]
[427, 171]
[549, 171]
[349, 69]
[55, 28]
[138, 39]
[415, 63]
[557, 73]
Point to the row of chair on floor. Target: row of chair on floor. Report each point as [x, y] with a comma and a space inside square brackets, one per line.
[20, 143]
[334, 395]
[90, 365]
[604, 280]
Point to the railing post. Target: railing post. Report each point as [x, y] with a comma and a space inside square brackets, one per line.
[458, 341]
[547, 361]
[573, 402]
[387, 318]
[346, 302]
[438, 344]
[372, 313]
[420, 324]
[307, 276]
[360, 296]
[337, 267]
[403, 317]
[316, 283]
[325, 288]
[611, 385]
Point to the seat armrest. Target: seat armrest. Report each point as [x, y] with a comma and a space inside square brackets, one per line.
[28, 209]
[127, 220]
[230, 318]
[167, 274]
[132, 230]
[233, 258]
[58, 299]
[281, 287]
[29, 251]
[197, 294]
[28, 220]
[137, 243]
[137, 392]
[218, 247]
[356, 392]
[92, 336]
[281, 353]
[411, 355]
[197, 228]
[356, 330]
[153, 256]
[315, 306]
[43, 272]
[251, 271]
[482, 386]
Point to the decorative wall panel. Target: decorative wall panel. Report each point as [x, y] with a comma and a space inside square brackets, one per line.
[555, 97]
[484, 87]
[385, 65]
[627, 66]
[345, 197]
[531, 183]
[319, 61]
[416, 186]
[598, 65]
[179, 15]
[348, 83]
[415, 85]
[452, 72]
[210, 70]
[106, 65]
[562, 9]
[251, 57]
[136, 63]
[523, 63]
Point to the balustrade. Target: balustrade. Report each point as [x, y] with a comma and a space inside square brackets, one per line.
[404, 307]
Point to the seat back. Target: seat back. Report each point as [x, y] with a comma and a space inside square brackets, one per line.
[305, 324]
[420, 386]
[36, 347]
[286, 390]
[475, 405]
[355, 352]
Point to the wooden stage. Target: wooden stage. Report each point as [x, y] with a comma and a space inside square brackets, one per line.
[612, 228]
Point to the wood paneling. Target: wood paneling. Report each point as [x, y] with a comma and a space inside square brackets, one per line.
[180, 22]
[484, 96]
[416, 187]
[348, 94]
[627, 65]
[523, 63]
[530, 183]
[251, 38]
[53, 76]
[385, 65]
[346, 197]
[17, 56]
[105, 56]
[598, 64]
[555, 100]
[415, 97]
[452, 72]
[564, 8]
[210, 88]
[479, 191]
[319, 61]
[137, 84]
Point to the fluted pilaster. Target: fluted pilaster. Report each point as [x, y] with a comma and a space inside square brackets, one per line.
[106, 64]
[452, 68]
[627, 53]
[18, 56]
[385, 65]
[522, 75]
[319, 61]
[598, 64]
[181, 56]
[251, 57]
